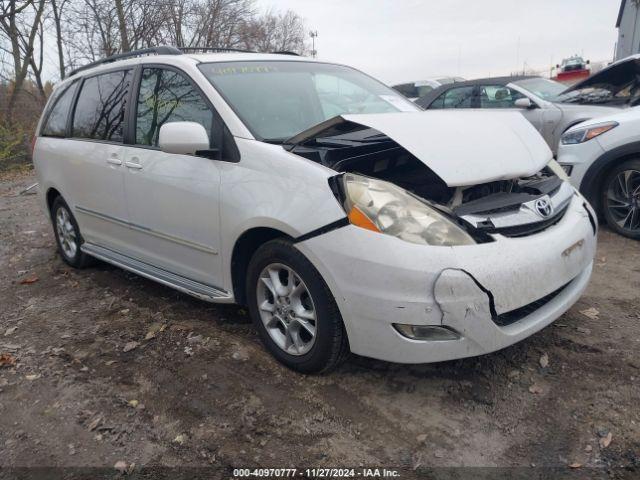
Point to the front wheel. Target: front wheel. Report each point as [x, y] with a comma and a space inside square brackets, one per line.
[621, 199]
[295, 314]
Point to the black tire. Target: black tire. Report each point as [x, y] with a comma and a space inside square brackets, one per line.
[78, 259]
[615, 214]
[331, 346]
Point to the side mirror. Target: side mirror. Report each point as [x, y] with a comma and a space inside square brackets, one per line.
[184, 138]
[523, 103]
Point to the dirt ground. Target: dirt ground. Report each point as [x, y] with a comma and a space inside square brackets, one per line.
[110, 367]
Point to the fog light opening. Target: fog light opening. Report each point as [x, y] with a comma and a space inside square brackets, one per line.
[567, 168]
[432, 333]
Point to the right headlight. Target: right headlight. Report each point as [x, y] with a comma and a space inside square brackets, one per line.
[383, 207]
[581, 135]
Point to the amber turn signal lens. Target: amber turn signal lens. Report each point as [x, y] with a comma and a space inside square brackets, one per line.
[359, 219]
[594, 132]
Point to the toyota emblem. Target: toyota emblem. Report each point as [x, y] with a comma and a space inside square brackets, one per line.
[543, 207]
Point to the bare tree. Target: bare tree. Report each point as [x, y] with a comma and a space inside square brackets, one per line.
[6, 10]
[122, 26]
[275, 33]
[20, 25]
[36, 60]
[57, 10]
[97, 28]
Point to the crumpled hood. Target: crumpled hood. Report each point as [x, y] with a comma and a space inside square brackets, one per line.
[463, 147]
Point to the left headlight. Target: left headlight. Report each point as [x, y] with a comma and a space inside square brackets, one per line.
[385, 208]
[581, 135]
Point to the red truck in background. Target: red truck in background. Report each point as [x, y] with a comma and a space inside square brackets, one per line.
[572, 70]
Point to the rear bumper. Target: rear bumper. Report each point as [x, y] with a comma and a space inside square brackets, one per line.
[378, 280]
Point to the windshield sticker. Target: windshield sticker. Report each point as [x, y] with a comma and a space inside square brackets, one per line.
[400, 103]
[245, 69]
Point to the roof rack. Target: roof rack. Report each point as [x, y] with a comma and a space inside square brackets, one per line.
[161, 50]
[214, 50]
[168, 50]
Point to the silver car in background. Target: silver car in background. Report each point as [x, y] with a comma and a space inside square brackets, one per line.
[547, 105]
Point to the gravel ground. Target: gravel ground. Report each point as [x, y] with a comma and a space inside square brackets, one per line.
[113, 369]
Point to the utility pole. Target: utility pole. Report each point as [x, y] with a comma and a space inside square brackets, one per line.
[314, 35]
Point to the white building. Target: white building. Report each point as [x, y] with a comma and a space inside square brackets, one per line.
[628, 26]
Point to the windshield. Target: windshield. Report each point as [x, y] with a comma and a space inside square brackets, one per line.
[542, 88]
[278, 99]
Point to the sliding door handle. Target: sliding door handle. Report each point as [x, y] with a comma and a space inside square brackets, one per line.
[133, 165]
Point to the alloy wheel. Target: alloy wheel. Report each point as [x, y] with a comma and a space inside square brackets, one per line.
[66, 233]
[286, 309]
[623, 200]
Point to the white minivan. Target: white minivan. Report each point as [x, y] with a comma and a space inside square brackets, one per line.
[342, 215]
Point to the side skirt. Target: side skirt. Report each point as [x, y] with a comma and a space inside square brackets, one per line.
[199, 290]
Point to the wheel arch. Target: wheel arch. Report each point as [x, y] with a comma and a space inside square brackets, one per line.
[591, 183]
[244, 248]
[51, 195]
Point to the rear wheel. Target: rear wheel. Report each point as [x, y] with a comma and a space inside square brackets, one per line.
[295, 314]
[68, 235]
[621, 199]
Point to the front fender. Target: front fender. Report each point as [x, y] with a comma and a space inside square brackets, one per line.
[273, 188]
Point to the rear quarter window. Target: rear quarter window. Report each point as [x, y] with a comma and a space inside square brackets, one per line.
[57, 117]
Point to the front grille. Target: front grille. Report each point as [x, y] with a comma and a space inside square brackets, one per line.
[529, 228]
[513, 316]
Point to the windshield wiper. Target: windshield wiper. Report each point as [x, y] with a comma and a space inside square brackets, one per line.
[275, 141]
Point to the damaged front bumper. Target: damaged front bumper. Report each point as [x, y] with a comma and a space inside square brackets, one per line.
[493, 294]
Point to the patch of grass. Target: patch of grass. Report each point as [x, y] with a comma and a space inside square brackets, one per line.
[14, 146]
[15, 171]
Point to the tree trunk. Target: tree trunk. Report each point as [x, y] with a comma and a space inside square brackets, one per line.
[21, 59]
[57, 14]
[124, 40]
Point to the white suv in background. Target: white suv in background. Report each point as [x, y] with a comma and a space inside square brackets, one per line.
[602, 159]
[343, 216]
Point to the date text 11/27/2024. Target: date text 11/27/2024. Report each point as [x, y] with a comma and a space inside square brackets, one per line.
[316, 473]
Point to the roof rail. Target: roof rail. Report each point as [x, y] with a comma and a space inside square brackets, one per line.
[161, 50]
[214, 50]
[230, 50]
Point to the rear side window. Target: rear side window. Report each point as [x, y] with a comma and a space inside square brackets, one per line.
[99, 113]
[167, 96]
[56, 125]
[409, 90]
[461, 97]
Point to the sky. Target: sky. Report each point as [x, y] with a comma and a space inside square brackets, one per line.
[405, 40]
